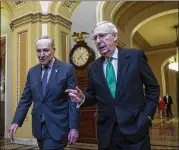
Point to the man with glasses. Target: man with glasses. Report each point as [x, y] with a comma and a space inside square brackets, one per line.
[115, 83]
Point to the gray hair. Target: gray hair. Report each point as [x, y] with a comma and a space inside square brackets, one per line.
[110, 27]
[47, 37]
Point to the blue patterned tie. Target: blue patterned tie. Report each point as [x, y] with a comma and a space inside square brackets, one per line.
[44, 84]
[110, 77]
[44, 79]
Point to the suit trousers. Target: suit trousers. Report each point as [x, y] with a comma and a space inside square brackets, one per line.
[120, 142]
[169, 111]
[47, 143]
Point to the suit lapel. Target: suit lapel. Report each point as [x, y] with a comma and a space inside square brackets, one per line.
[123, 63]
[54, 72]
[100, 73]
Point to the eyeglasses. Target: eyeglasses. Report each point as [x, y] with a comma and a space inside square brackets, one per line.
[101, 36]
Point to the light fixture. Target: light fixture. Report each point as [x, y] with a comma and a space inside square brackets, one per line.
[173, 61]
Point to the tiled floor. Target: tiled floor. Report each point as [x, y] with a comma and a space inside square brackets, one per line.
[164, 136]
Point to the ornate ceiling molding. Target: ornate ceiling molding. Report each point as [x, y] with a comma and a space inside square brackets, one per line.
[69, 5]
[40, 17]
[18, 4]
[133, 9]
[140, 41]
[161, 47]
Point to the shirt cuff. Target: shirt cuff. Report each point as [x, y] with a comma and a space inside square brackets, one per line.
[74, 129]
[79, 104]
[149, 117]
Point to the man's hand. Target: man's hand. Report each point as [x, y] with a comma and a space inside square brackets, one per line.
[73, 136]
[76, 95]
[12, 130]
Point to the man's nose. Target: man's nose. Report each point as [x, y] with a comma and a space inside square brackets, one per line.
[41, 54]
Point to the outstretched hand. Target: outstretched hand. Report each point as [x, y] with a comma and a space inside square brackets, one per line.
[76, 95]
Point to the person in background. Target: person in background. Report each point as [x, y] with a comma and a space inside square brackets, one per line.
[168, 101]
[161, 107]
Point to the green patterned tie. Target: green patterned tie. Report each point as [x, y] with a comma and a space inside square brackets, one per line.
[110, 77]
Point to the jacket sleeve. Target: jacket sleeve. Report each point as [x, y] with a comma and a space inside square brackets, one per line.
[74, 112]
[24, 103]
[152, 90]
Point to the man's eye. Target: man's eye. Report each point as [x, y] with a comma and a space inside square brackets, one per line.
[95, 37]
[102, 35]
[38, 51]
[46, 50]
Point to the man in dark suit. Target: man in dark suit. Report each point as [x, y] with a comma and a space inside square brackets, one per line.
[168, 101]
[55, 118]
[116, 84]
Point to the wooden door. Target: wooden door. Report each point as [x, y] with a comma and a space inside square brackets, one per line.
[88, 125]
[2, 86]
[88, 114]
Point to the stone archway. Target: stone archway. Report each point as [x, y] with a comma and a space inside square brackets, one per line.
[130, 16]
[159, 14]
[164, 64]
[168, 76]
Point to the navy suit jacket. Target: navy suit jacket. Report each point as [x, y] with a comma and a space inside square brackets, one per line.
[131, 106]
[170, 101]
[60, 113]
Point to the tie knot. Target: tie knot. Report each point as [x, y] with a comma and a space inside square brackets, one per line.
[109, 60]
[46, 68]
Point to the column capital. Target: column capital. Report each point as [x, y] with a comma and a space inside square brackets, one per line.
[40, 17]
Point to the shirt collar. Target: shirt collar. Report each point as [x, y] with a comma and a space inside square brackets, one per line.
[51, 63]
[114, 56]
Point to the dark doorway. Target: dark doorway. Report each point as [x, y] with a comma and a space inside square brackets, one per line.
[2, 86]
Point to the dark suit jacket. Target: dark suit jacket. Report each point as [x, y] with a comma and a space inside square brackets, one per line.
[60, 113]
[130, 108]
[170, 101]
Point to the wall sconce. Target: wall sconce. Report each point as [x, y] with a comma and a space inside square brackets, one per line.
[173, 62]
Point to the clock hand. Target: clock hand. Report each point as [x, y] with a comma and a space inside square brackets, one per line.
[84, 60]
[80, 55]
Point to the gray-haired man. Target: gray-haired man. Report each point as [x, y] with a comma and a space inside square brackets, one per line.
[116, 84]
[55, 118]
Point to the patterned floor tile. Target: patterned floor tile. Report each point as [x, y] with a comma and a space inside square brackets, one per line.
[164, 136]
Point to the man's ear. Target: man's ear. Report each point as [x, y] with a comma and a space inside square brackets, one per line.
[115, 37]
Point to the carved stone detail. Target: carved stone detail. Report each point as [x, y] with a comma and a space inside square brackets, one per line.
[40, 17]
[69, 5]
[18, 4]
[18, 68]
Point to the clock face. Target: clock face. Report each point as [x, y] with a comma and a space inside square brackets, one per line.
[80, 56]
